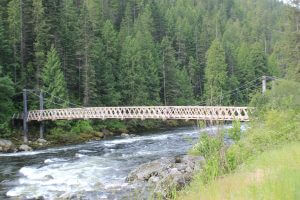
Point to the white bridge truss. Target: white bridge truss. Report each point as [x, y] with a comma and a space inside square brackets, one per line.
[210, 113]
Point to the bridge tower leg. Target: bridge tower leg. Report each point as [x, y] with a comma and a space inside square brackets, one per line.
[41, 108]
[25, 115]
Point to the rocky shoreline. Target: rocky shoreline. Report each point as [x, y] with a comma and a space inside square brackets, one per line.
[7, 146]
[164, 175]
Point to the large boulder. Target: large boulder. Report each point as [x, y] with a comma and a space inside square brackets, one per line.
[25, 147]
[42, 141]
[165, 174]
[7, 146]
[145, 171]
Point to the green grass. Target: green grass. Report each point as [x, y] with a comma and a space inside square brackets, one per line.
[274, 175]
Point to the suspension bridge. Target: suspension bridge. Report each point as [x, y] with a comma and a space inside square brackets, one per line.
[207, 113]
[213, 113]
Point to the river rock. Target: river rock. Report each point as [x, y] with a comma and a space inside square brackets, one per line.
[125, 135]
[99, 134]
[7, 146]
[165, 174]
[145, 171]
[42, 141]
[107, 133]
[25, 147]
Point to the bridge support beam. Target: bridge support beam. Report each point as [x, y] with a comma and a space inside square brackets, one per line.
[25, 116]
[41, 108]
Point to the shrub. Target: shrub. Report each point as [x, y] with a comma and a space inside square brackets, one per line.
[207, 145]
[274, 129]
[235, 132]
[285, 95]
[82, 126]
[58, 135]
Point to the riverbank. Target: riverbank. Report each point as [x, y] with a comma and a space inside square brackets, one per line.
[68, 133]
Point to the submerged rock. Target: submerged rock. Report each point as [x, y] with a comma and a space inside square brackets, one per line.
[7, 146]
[165, 174]
[25, 147]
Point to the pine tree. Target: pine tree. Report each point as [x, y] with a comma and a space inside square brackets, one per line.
[41, 43]
[86, 38]
[132, 84]
[6, 104]
[258, 61]
[107, 69]
[5, 53]
[168, 73]
[147, 57]
[184, 90]
[54, 83]
[126, 25]
[216, 75]
[70, 49]
[14, 30]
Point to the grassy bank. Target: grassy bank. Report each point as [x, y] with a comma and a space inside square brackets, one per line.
[275, 174]
[263, 162]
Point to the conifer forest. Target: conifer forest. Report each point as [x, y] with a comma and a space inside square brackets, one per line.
[143, 52]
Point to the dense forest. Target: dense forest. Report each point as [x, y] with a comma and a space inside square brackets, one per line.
[143, 52]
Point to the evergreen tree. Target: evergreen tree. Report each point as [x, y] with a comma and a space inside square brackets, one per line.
[41, 39]
[14, 30]
[5, 53]
[107, 70]
[216, 75]
[54, 83]
[86, 38]
[168, 72]
[147, 57]
[71, 61]
[258, 61]
[6, 103]
[133, 83]
[184, 90]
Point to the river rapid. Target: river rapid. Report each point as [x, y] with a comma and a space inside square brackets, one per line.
[93, 170]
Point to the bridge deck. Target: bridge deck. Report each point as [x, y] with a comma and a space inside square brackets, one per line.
[215, 113]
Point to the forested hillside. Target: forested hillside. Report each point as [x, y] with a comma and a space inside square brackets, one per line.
[143, 52]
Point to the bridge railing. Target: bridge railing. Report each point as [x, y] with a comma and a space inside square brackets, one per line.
[221, 113]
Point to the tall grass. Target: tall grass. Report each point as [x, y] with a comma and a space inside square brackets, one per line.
[273, 175]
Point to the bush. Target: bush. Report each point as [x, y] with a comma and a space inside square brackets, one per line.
[235, 132]
[285, 95]
[82, 126]
[58, 135]
[276, 128]
[212, 148]
[207, 145]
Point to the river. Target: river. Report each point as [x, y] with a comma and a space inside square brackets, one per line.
[93, 170]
